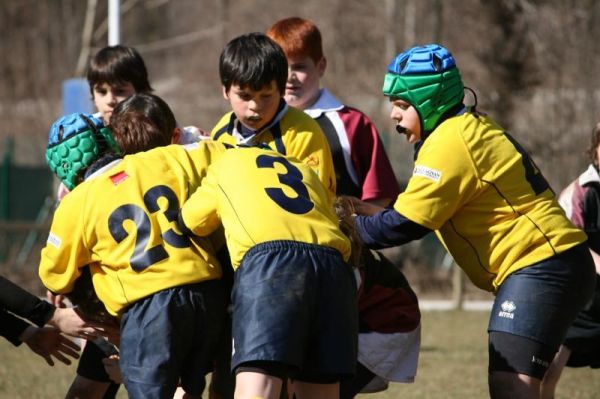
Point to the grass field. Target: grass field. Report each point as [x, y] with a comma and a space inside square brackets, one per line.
[452, 365]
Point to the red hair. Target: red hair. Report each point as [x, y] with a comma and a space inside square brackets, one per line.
[298, 37]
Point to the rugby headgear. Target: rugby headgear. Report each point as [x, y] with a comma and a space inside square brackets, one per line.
[428, 79]
[75, 142]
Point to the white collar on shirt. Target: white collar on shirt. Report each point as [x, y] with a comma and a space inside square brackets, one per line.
[325, 103]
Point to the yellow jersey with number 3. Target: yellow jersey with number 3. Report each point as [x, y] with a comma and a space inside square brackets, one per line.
[122, 222]
[292, 133]
[488, 202]
[259, 195]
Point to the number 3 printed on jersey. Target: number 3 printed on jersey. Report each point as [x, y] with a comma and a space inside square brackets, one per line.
[142, 257]
[293, 179]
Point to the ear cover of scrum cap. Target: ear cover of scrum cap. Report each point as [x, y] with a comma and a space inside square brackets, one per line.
[75, 142]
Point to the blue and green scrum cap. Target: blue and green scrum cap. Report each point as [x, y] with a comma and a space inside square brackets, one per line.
[428, 79]
[75, 142]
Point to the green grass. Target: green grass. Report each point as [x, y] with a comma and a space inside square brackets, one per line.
[452, 365]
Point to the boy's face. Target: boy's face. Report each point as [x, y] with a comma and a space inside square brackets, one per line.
[303, 82]
[106, 97]
[407, 118]
[253, 108]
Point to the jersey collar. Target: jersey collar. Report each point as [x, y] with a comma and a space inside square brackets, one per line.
[325, 103]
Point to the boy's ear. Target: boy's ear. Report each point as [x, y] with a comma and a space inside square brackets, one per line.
[321, 66]
[176, 135]
[225, 93]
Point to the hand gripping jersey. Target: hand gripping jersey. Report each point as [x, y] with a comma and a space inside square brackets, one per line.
[486, 199]
[122, 222]
[362, 167]
[292, 133]
[259, 195]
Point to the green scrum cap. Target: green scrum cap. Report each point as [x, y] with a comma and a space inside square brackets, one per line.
[75, 142]
[428, 79]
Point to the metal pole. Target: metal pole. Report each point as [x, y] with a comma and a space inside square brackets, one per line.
[114, 22]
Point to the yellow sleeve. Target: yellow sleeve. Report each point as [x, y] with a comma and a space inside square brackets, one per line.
[65, 251]
[443, 180]
[200, 212]
[311, 147]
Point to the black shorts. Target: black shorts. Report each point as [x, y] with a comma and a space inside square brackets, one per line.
[583, 337]
[171, 336]
[91, 367]
[295, 304]
[539, 303]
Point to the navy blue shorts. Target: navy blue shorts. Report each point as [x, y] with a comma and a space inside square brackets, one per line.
[171, 335]
[541, 301]
[295, 304]
[533, 309]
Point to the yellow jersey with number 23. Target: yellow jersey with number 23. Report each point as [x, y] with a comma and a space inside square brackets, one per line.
[122, 222]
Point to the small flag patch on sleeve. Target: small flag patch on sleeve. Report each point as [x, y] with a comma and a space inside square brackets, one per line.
[119, 178]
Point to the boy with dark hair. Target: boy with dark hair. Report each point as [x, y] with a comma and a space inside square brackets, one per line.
[168, 280]
[294, 296]
[253, 72]
[115, 73]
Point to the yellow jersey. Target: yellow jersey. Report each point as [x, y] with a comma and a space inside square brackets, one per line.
[259, 195]
[488, 202]
[291, 133]
[122, 222]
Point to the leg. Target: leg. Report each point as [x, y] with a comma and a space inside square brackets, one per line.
[181, 394]
[507, 385]
[251, 385]
[553, 374]
[86, 388]
[516, 366]
[349, 388]
[306, 390]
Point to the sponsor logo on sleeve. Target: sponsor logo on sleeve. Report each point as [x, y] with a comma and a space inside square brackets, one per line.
[427, 173]
[54, 240]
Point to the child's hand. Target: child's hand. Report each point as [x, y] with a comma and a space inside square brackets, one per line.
[361, 207]
[48, 342]
[71, 322]
[111, 366]
[56, 299]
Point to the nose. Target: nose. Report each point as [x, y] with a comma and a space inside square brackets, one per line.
[254, 105]
[395, 113]
[112, 99]
[291, 75]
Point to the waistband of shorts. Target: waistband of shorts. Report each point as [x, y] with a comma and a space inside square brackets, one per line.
[289, 244]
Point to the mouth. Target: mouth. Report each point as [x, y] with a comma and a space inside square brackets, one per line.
[254, 118]
[401, 129]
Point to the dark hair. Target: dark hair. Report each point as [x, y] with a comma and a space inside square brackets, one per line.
[253, 60]
[594, 143]
[298, 37]
[118, 65]
[142, 122]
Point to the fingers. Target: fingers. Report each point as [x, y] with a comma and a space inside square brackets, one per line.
[48, 360]
[71, 346]
[62, 358]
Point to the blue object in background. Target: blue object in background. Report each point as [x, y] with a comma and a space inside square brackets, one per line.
[76, 96]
